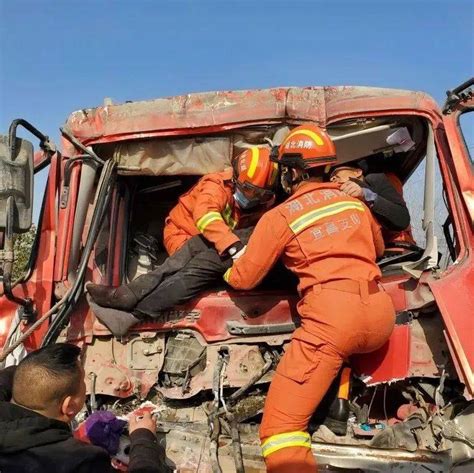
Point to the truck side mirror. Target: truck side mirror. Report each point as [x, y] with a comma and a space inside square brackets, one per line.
[16, 182]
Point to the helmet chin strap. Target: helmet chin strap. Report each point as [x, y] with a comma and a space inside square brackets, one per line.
[288, 181]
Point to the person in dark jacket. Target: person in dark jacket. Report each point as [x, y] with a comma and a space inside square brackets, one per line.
[376, 191]
[48, 391]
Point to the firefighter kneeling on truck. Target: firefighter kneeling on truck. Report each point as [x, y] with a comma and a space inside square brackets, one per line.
[204, 232]
[330, 241]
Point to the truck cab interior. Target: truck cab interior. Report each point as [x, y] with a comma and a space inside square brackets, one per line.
[154, 173]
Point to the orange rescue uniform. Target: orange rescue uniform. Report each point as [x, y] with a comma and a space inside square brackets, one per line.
[330, 241]
[207, 208]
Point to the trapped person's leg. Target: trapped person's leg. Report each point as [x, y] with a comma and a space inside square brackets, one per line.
[204, 267]
[201, 272]
[126, 296]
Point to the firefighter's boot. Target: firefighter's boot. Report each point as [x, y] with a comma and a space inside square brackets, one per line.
[338, 415]
[121, 297]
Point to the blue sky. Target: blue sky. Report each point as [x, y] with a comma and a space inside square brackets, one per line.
[56, 57]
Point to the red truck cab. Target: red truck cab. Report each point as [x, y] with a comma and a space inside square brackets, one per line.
[119, 171]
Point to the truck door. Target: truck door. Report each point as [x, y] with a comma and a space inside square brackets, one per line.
[26, 292]
[454, 289]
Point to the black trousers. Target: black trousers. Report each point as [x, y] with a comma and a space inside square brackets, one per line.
[182, 276]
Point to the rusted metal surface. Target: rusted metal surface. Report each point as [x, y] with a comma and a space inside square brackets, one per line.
[218, 111]
[244, 362]
[188, 451]
[123, 370]
[429, 352]
[365, 459]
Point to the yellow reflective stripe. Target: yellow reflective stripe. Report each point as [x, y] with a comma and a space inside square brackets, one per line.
[227, 212]
[206, 219]
[309, 218]
[227, 217]
[227, 275]
[288, 439]
[311, 134]
[253, 162]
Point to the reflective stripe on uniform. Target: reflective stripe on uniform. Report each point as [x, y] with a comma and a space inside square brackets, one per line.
[227, 275]
[227, 214]
[309, 218]
[288, 439]
[253, 162]
[206, 219]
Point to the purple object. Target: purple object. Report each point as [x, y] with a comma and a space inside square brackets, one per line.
[104, 429]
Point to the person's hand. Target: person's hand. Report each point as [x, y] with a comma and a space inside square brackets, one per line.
[352, 189]
[145, 421]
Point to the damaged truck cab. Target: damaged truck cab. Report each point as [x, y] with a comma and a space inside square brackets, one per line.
[206, 365]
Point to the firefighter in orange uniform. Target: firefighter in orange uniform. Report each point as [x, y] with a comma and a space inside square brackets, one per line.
[223, 201]
[330, 241]
[210, 225]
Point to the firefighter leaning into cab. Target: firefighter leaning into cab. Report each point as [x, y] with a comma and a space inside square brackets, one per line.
[330, 241]
[209, 226]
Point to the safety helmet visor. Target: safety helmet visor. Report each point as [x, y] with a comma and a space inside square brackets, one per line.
[255, 193]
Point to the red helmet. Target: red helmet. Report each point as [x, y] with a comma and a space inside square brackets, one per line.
[307, 146]
[255, 174]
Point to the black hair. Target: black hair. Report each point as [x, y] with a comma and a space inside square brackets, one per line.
[318, 171]
[47, 375]
[361, 164]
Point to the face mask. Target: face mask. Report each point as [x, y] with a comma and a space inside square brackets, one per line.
[243, 202]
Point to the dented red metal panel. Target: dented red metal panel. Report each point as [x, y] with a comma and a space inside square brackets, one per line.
[327, 104]
[210, 314]
[218, 111]
[191, 111]
[454, 290]
[455, 298]
[390, 362]
[39, 287]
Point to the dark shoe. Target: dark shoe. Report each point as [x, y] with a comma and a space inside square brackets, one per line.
[117, 321]
[120, 297]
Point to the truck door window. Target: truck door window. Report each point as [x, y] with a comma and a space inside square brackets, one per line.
[415, 195]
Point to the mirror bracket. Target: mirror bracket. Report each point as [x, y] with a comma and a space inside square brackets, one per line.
[45, 143]
[27, 311]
